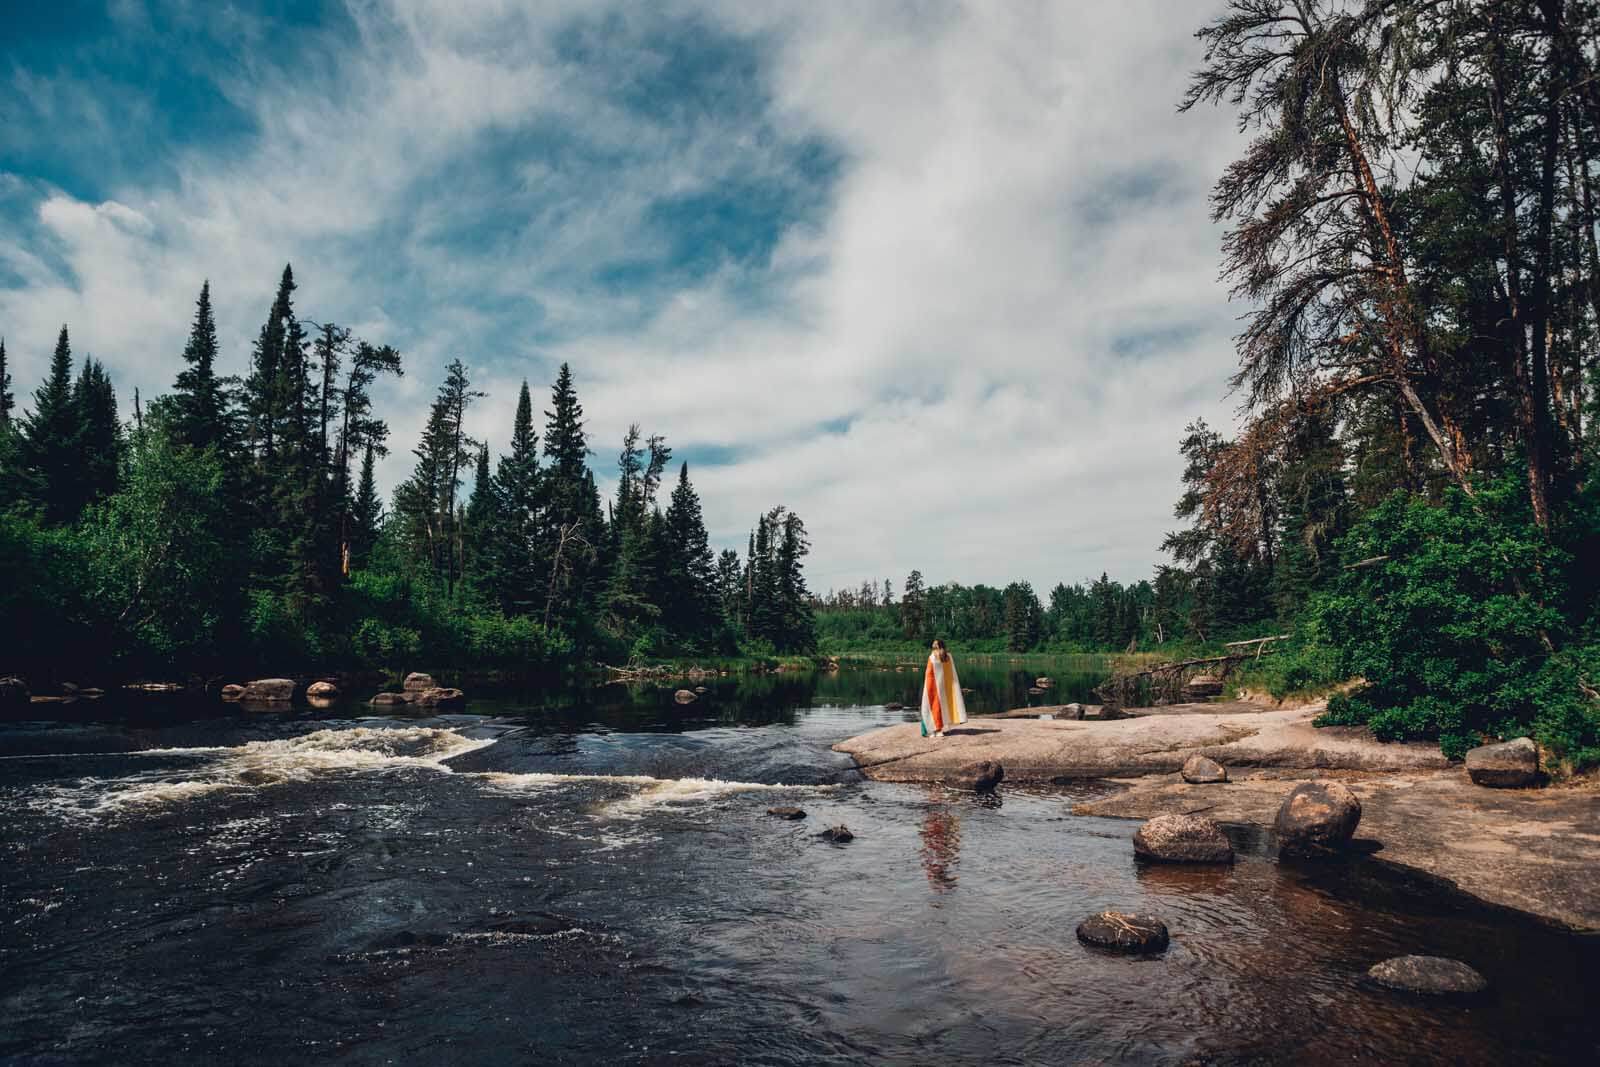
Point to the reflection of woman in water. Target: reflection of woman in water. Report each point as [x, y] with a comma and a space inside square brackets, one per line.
[941, 846]
[942, 706]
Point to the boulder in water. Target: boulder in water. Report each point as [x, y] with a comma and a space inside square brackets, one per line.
[1433, 975]
[1182, 839]
[1123, 932]
[416, 682]
[685, 696]
[391, 699]
[14, 693]
[1034, 691]
[1044, 683]
[440, 696]
[1316, 819]
[894, 705]
[787, 813]
[232, 691]
[269, 691]
[839, 835]
[1509, 765]
[322, 689]
[1198, 770]
[980, 777]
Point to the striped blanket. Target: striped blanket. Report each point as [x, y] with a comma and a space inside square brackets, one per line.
[942, 705]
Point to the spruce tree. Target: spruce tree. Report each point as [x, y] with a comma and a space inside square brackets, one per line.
[366, 514]
[99, 442]
[201, 407]
[483, 519]
[913, 617]
[7, 401]
[796, 619]
[262, 390]
[573, 529]
[691, 596]
[519, 567]
[47, 451]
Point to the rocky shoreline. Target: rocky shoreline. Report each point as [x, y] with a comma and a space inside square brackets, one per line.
[1534, 851]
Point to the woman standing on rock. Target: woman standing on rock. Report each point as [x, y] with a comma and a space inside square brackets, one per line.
[942, 705]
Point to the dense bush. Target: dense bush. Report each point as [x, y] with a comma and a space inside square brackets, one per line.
[1453, 613]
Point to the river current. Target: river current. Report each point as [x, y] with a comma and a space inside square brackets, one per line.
[572, 880]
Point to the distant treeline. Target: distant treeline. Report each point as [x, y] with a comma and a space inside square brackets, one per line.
[234, 524]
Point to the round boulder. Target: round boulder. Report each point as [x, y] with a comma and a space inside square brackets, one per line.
[1198, 770]
[322, 689]
[1182, 839]
[839, 835]
[1044, 683]
[1122, 932]
[1433, 975]
[416, 682]
[1316, 819]
[685, 696]
[980, 777]
[232, 691]
[269, 691]
[1509, 765]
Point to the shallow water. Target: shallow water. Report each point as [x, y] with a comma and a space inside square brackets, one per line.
[595, 878]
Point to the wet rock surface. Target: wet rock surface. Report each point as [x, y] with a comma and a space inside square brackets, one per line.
[232, 691]
[684, 696]
[838, 835]
[1317, 819]
[1508, 765]
[785, 812]
[416, 682]
[322, 689]
[439, 697]
[269, 691]
[1201, 770]
[1182, 839]
[1124, 932]
[981, 777]
[1428, 975]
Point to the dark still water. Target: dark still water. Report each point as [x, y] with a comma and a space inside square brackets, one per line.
[595, 879]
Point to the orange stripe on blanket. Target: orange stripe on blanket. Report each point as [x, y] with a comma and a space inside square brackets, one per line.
[933, 700]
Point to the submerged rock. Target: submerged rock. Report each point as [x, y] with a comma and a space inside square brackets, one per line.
[232, 691]
[787, 813]
[1182, 839]
[440, 696]
[1199, 770]
[839, 835]
[390, 699]
[1509, 765]
[322, 689]
[1433, 975]
[416, 682]
[1122, 932]
[1316, 819]
[894, 705]
[685, 696]
[269, 691]
[980, 777]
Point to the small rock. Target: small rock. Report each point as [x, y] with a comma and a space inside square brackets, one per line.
[1072, 711]
[839, 835]
[1123, 932]
[1510, 765]
[440, 696]
[269, 691]
[684, 696]
[1433, 975]
[416, 682]
[1182, 839]
[1034, 691]
[13, 692]
[322, 689]
[1198, 770]
[894, 705]
[700, 690]
[787, 813]
[1045, 683]
[390, 699]
[980, 777]
[232, 691]
[1316, 819]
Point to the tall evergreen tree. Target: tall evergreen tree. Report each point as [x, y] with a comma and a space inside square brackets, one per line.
[913, 618]
[366, 514]
[7, 401]
[264, 402]
[692, 597]
[99, 441]
[48, 456]
[201, 405]
[573, 527]
[519, 571]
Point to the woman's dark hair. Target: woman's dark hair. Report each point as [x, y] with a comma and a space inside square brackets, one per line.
[944, 653]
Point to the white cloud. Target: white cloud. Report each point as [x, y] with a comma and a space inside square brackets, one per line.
[1016, 198]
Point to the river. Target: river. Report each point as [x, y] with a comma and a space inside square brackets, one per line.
[593, 877]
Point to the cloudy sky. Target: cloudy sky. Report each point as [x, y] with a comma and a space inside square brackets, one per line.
[937, 275]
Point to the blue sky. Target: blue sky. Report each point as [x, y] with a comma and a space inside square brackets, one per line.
[938, 275]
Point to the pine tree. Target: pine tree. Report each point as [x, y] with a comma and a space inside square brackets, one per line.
[1023, 617]
[428, 498]
[797, 620]
[201, 415]
[913, 619]
[692, 595]
[99, 441]
[519, 572]
[7, 401]
[264, 407]
[730, 585]
[573, 527]
[360, 432]
[47, 451]
[482, 529]
[366, 514]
